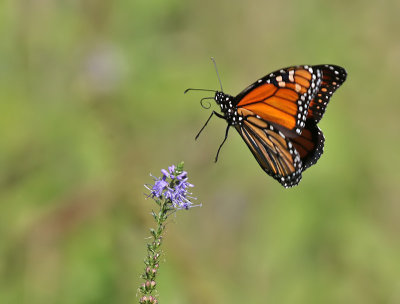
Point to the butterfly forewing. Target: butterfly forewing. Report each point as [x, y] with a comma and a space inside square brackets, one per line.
[283, 97]
[333, 77]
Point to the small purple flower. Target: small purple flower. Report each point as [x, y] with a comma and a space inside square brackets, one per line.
[173, 186]
[159, 186]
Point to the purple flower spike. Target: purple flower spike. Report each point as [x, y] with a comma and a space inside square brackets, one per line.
[173, 186]
[171, 193]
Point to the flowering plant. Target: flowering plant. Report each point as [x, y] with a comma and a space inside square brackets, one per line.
[170, 192]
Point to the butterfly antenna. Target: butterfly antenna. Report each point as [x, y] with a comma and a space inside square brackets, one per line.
[206, 105]
[216, 69]
[191, 89]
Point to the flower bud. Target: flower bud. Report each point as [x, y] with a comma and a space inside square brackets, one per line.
[148, 284]
[143, 300]
[153, 284]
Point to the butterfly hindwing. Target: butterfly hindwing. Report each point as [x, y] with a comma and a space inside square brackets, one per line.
[282, 153]
[309, 145]
[272, 149]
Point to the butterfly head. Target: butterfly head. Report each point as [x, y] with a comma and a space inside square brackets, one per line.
[228, 107]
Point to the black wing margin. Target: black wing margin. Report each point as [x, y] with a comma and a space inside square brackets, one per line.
[333, 77]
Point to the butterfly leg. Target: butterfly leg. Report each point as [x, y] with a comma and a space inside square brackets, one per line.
[226, 136]
[213, 112]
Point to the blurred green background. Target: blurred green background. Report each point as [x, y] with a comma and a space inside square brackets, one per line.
[91, 102]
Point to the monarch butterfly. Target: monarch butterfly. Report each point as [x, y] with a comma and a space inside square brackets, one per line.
[277, 117]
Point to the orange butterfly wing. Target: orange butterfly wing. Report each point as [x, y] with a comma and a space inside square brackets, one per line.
[280, 114]
[283, 97]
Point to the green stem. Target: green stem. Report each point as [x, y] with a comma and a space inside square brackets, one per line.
[154, 252]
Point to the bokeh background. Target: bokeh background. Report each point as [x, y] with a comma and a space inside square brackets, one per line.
[91, 102]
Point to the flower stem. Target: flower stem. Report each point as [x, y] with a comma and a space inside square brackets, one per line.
[154, 252]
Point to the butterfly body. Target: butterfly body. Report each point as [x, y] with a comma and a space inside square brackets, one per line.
[228, 107]
[277, 117]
